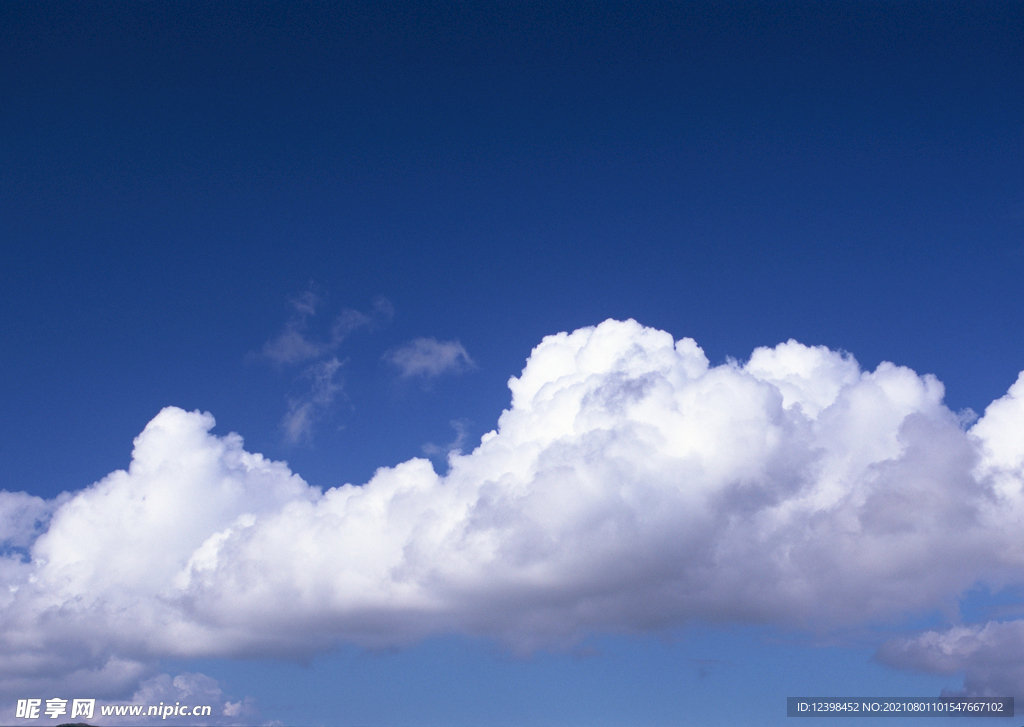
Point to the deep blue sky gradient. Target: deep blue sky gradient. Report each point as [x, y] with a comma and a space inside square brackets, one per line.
[847, 174]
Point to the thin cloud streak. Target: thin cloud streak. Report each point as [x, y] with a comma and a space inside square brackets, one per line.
[303, 412]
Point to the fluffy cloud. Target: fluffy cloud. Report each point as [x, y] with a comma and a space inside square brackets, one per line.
[429, 358]
[989, 655]
[630, 486]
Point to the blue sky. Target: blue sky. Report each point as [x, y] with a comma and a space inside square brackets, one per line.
[341, 229]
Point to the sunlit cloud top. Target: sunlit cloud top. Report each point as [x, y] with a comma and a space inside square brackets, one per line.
[630, 487]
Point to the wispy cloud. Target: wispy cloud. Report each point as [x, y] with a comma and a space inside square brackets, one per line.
[630, 486]
[295, 345]
[429, 358]
[292, 346]
[321, 373]
[304, 411]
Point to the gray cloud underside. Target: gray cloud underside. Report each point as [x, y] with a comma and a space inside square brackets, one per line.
[630, 486]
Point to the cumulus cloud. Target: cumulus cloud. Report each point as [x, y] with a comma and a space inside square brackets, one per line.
[630, 486]
[989, 655]
[429, 358]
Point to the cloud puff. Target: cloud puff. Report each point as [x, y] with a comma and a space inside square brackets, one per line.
[629, 487]
[429, 358]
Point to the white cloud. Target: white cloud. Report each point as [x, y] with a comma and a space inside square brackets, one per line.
[429, 358]
[630, 486]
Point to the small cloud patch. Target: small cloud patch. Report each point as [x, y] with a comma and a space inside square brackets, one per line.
[429, 358]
